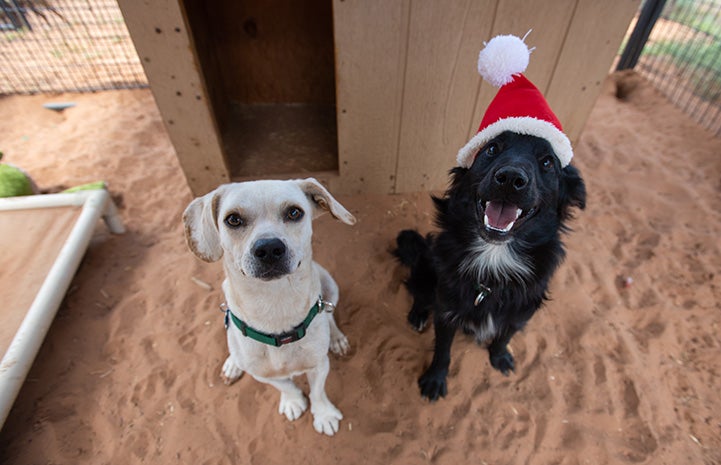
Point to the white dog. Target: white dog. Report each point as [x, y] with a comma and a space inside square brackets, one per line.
[279, 301]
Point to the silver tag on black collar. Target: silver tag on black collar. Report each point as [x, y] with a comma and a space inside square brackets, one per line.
[483, 292]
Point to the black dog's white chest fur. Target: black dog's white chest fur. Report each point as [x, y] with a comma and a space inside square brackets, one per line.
[487, 263]
[499, 261]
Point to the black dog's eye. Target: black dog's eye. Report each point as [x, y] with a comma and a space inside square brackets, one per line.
[492, 149]
[234, 221]
[294, 214]
[546, 162]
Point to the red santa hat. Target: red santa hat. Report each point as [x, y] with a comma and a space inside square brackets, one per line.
[518, 106]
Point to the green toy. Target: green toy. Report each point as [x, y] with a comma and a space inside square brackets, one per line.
[14, 181]
[91, 186]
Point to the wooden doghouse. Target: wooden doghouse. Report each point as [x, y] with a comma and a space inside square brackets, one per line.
[370, 96]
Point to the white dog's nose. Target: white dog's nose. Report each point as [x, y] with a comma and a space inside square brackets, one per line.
[269, 250]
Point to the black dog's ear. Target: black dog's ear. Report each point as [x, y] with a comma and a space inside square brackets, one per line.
[458, 190]
[573, 191]
[456, 175]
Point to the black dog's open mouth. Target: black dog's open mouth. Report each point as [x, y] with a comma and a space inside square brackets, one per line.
[501, 216]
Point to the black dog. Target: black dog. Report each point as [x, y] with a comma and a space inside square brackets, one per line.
[487, 271]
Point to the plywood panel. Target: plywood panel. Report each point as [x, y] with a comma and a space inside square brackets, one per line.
[592, 42]
[371, 39]
[568, 38]
[407, 92]
[204, 51]
[277, 139]
[439, 92]
[274, 51]
[165, 48]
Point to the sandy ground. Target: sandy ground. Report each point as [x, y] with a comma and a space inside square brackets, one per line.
[607, 373]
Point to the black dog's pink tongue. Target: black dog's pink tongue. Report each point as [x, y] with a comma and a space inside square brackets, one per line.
[500, 215]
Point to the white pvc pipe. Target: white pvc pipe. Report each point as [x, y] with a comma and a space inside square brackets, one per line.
[24, 347]
[46, 201]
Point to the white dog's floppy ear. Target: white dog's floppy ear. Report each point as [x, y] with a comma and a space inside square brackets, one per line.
[324, 201]
[201, 227]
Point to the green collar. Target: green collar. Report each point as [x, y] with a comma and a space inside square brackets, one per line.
[276, 340]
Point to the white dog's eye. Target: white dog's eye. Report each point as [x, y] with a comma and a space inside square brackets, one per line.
[294, 214]
[234, 221]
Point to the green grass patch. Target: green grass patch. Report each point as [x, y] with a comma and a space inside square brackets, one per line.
[699, 15]
[705, 55]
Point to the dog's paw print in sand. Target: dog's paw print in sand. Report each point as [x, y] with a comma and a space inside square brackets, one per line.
[187, 341]
[638, 440]
[140, 444]
[608, 390]
[159, 382]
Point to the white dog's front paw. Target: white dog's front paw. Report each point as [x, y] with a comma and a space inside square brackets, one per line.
[230, 372]
[339, 344]
[326, 419]
[292, 406]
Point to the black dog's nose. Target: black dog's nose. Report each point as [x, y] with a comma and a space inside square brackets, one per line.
[509, 176]
[269, 250]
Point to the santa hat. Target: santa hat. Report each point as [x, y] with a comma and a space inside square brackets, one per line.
[518, 106]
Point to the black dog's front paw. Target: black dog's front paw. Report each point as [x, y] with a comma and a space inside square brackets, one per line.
[433, 385]
[418, 318]
[503, 361]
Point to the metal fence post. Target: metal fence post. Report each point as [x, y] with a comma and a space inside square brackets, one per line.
[650, 11]
[15, 14]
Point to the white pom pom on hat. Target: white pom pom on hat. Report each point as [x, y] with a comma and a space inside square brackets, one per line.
[518, 106]
[501, 58]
